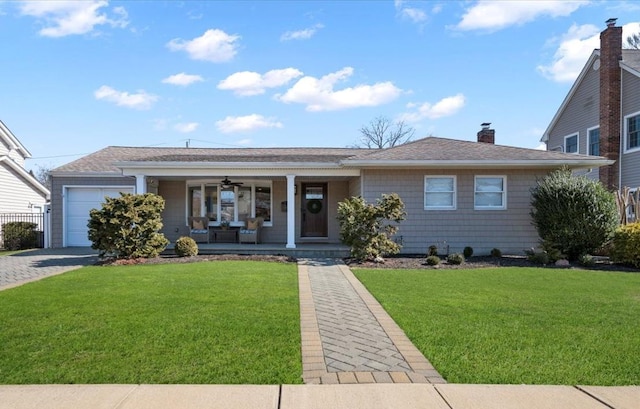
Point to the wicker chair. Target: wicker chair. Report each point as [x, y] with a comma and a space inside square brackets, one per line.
[251, 232]
[199, 229]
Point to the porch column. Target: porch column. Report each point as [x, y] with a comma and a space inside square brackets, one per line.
[141, 184]
[291, 212]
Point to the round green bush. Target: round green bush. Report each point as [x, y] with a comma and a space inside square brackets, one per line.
[432, 250]
[467, 252]
[587, 260]
[455, 258]
[572, 214]
[433, 260]
[186, 247]
[496, 253]
[626, 245]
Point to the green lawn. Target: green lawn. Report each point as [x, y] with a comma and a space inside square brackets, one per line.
[518, 325]
[228, 322]
[9, 252]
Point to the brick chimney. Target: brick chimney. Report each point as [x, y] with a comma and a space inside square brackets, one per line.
[486, 134]
[610, 56]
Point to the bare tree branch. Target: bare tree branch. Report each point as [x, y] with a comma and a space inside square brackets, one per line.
[633, 41]
[382, 133]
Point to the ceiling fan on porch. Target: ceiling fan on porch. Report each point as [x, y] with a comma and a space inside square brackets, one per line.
[226, 183]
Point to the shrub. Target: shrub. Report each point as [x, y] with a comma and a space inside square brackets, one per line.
[432, 260]
[363, 227]
[626, 245]
[19, 235]
[573, 215]
[467, 252]
[432, 250]
[127, 226]
[587, 260]
[455, 258]
[496, 253]
[540, 257]
[186, 247]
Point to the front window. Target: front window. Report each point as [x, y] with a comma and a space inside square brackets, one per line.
[195, 201]
[632, 131]
[234, 204]
[571, 143]
[490, 193]
[594, 141]
[439, 193]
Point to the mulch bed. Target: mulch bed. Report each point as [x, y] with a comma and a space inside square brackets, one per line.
[398, 262]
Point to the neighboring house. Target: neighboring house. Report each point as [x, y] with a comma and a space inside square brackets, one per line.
[465, 193]
[20, 192]
[601, 113]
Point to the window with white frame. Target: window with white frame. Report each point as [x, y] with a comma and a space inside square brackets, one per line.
[490, 193]
[571, 143]
[233, 204]
[632, 131]
[439, 192]
[594, 141]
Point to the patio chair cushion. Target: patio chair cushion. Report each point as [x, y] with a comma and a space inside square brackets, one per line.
[252, 224]
[197, 225]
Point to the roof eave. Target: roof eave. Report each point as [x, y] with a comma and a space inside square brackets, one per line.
[479, 164]
[27, 176]
[13, 141]
[630, 69]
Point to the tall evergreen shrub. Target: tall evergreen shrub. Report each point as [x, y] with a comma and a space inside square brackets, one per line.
[573, 214]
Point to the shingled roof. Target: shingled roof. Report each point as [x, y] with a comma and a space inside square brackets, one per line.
[425, 152]
[107, 159]
[439, 151]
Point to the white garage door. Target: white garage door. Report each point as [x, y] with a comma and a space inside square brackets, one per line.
[79, 201]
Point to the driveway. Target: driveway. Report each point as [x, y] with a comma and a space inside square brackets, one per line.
[32, 265]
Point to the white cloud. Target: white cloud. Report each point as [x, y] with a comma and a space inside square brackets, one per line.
[186, 127]
[246, 123]
[63, 18]
[246, 83]
[445, 107]
[214, 45]
[182, 79]
[492, 15]
[575, 47]
[414, 14]
[141, 100]
[301, 34]
[319, 94]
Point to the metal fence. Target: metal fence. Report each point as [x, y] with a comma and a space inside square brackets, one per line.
[35, 218]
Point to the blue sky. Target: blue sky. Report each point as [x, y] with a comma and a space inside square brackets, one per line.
[81, 75]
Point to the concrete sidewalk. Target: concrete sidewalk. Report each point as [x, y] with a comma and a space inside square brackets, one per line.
[372, 396]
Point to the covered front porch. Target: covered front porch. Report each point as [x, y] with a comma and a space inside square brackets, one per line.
[302, 250]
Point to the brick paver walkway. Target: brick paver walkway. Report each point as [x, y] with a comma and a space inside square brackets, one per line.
[19, 268]
[347, 337]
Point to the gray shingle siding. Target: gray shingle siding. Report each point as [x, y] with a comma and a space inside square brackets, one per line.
[581, 113]
[630, 104]
[509, 230]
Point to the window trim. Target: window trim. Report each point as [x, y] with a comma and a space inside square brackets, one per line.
[626, 133]
[577, 135]
[202, 184]
[454, 192]
[504, 192]
[589, 144]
